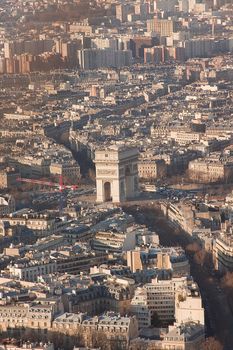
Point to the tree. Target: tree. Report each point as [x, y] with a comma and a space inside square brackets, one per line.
[181, 298]
[227, 280]
[200, 256]
[212, 344]
[98, 339]
[91, 174]
[193, 247]
[155, 320]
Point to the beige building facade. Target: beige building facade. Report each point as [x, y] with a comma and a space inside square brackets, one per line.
[223, 253]
[134, 260]
[204, 170]
[70, 172]
[152, 169]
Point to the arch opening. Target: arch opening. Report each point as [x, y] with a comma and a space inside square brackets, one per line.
[107, 192]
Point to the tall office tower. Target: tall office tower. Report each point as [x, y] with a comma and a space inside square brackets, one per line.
[2, 65]
[139, 43]
[165, 5]
[104, 43]
[121, 12]
[150, 5]
[154, 54]
[192, 4]
[12, 48]
[8, 49]
[68, 50]
[184, 5]
[198, 48]
[162, 27]
[108, 58]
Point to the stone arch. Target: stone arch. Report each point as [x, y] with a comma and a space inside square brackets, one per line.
[107, 192]
[127, 171]
[128, 181]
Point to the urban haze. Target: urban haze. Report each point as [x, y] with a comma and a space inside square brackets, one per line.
[116, 174]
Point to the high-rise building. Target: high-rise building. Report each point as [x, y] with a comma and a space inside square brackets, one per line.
[68, 50]
[33, 47]
[122, 10]
[184, 5]
[198, 48]
[105, 43]
[154, 54]
[108, 58]
[161, 27]
[139, 43]
[165, 5]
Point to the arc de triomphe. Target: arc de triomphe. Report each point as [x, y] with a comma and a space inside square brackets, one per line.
[116, 174]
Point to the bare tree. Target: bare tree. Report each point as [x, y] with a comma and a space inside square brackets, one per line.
[200, 257]
[212, 344]
[193, 247]
[99, 339]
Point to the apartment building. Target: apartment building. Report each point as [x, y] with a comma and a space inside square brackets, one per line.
[139, 307]
[211, 169]
[189, 307]
[173, 259]
[152, 169]
[223, 253]
[30, 270]
[48, 243]
[165, 5]
[159, 131]
[161, 297]
[183, 137]
[31, 166]
[112, 327]
[13, 316]
[8, 178]
[33, 315]
[70, 172]
[162, 27]
[180, 214]
[41, 224]
[154, 54]
[134, 260]
[81, 262]
[108, 58]
[7, 204]
[114, 241]
[33, 47]
[175, 299]
[81, 28]
[122, 10]
[99, 298]
[18, 345]
[187, 336]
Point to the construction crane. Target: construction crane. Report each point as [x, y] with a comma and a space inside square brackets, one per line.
[60, 185]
